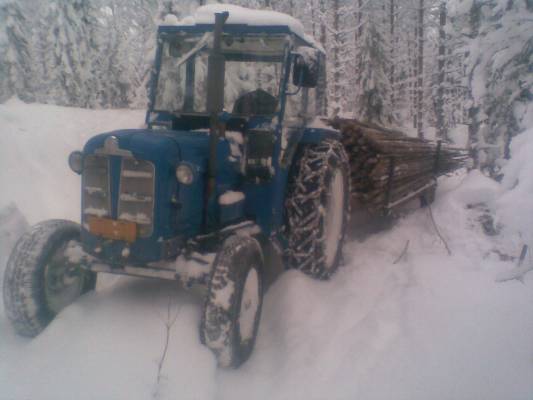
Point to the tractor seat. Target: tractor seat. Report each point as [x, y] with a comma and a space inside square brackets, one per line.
[257, 102]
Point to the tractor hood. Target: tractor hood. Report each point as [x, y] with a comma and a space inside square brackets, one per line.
[146, 190]
[167, 147]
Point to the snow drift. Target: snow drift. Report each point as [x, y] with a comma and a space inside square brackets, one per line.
[515, 207]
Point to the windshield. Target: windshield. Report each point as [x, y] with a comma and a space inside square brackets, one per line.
[253, 68]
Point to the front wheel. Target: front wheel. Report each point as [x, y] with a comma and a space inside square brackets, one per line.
[231, 313]
[41, 278]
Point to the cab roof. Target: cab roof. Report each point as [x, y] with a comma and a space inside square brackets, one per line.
[240, 21]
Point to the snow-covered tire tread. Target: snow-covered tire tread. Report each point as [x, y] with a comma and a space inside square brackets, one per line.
[23, 289]
[305, 203]
[219, 327]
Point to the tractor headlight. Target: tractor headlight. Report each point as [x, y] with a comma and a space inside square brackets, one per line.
[185, 174]
[75, 161]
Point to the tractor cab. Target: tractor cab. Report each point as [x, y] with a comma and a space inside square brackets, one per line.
[252, 76]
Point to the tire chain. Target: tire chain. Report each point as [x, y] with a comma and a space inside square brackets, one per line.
[216, 330]
[304, 208]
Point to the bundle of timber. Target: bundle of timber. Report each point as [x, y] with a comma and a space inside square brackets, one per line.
[387, 166]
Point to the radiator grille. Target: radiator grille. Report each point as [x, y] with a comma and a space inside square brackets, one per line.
[95, 183]
[136, 195]
[136, 191]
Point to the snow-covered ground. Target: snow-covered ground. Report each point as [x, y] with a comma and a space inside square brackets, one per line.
[431, 326]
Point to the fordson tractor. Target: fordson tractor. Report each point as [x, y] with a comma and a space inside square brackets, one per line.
[231, 162]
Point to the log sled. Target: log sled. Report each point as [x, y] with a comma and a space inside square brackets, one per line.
[389, 168]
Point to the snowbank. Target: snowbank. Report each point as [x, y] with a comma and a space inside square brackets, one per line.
[478, 188]
[12, 226]
[35, 141]
[514, 208]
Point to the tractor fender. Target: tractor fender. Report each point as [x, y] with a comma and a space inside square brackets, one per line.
[317, 135]
[304, 136]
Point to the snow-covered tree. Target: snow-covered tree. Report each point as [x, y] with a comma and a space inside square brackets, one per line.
[5, 91]
[18, 59]
[371, 77]
[412, 63]
[497, 49]
[63, 53]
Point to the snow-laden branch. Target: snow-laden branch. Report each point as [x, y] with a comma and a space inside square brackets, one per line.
[170, 320]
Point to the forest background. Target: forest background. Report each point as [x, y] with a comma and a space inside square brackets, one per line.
[457, 70]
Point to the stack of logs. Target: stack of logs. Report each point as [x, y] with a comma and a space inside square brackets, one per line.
[388, 166]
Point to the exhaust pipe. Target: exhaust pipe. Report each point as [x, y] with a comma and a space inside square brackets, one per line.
[215, 105]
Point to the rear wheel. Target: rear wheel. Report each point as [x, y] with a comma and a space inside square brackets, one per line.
[231, 313]
[317, 209]
[41, 278]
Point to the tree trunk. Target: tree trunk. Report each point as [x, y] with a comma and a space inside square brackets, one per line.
[291, 7]
[420, 71]
[336, 94]
[392, 61]
[322, 89]
[442, 131]
[414, 92]
[358, 36]
[313, 19]
[410, 75]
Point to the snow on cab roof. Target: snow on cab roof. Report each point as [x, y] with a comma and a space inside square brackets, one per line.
[241, 16]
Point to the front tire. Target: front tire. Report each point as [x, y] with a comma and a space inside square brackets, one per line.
[231, 313]
[39, 280]
[317, 209]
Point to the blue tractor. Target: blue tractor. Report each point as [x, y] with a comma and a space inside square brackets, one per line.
[232, 165]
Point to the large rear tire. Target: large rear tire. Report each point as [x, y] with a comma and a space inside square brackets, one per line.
[40, 280]
[317, 209]
[232, 310]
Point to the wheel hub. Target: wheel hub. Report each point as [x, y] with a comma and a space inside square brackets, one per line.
[333, 217]
[63, 281]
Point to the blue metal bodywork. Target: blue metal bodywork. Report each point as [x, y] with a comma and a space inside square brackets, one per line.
[179, 209]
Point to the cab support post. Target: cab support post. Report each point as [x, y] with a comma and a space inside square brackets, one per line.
[215, 104]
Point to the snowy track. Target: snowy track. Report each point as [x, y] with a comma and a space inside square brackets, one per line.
[429, 327]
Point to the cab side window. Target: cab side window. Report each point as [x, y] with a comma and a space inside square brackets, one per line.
[294, 106]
